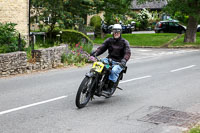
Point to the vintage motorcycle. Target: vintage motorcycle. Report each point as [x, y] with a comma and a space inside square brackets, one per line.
[96, 81]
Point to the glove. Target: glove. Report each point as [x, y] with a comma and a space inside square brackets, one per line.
[123, 63]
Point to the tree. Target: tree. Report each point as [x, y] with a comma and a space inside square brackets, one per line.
[45, 10]
[9, 38]
[190, 8]
[113, 9]
[79, 9]
[67, 13]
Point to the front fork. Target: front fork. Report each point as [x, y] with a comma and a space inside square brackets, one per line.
[94, 87]
[100, 82]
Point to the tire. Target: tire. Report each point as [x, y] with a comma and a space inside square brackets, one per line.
[113, 91]
[161, 31]
[84, 92]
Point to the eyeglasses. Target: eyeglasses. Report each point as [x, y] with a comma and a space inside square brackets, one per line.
[116, 31]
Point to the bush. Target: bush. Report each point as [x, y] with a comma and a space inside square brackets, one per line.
[143, 17]
[64, 58]
[9, 38]
[87, 47]
[48, 43]
[95, 21]
[195, 130]
[89, 28]
[138, 25]
[73, 37]
[29, 52]
[78, 55]
[132, 14]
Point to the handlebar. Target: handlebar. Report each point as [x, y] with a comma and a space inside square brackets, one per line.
[110, 62]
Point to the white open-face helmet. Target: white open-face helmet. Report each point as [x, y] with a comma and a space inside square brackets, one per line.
[117, 28]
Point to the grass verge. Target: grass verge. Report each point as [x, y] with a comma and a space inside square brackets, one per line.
[195, 130]
[143, 40]
[153, 40]
[179, 42]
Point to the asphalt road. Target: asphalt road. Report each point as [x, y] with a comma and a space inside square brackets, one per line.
[44, 102]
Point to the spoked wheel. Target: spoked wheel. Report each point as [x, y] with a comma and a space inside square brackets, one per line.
[84, 92]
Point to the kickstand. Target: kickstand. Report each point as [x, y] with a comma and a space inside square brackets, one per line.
[119, 88]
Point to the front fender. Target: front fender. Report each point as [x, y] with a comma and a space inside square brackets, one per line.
[90, 74]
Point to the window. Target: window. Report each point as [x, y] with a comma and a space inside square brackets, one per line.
[171, 24]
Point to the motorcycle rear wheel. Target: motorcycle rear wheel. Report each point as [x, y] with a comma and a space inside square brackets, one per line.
[84, 92]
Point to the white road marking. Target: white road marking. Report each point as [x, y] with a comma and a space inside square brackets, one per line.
[162, 53]
[31, 105]
[144, 50]
[135, 79]
[183, 68]
[58, 98]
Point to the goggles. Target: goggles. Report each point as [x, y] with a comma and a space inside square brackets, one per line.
[116, 31]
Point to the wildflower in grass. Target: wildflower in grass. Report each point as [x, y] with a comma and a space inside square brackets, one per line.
[78, 55]
[77, 45]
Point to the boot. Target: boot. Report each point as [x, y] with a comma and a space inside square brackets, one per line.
[108, 90]
[111, 85]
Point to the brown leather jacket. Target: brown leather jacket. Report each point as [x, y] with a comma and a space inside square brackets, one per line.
[118, 49]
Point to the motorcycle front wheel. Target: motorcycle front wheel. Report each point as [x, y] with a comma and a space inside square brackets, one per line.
[84, 92]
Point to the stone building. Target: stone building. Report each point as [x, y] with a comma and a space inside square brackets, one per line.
[16, 11]
[152, 6]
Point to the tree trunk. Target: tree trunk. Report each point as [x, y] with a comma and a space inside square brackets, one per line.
[190, 35]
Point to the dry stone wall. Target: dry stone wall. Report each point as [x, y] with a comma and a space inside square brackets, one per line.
[17, 62]
[50, 57]
[13, 63]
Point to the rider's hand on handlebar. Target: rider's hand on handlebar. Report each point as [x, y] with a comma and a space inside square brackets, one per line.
[93, 53]
[123, 63]
[93, 56]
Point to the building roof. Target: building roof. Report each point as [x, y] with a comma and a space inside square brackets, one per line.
[148, 5]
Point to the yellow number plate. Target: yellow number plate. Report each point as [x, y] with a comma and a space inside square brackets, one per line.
[98, 66]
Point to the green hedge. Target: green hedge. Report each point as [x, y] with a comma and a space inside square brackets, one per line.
[73, 37]
[96, 22]
[9, 38]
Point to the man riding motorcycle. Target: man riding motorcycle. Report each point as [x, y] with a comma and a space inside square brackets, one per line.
[118, 50]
